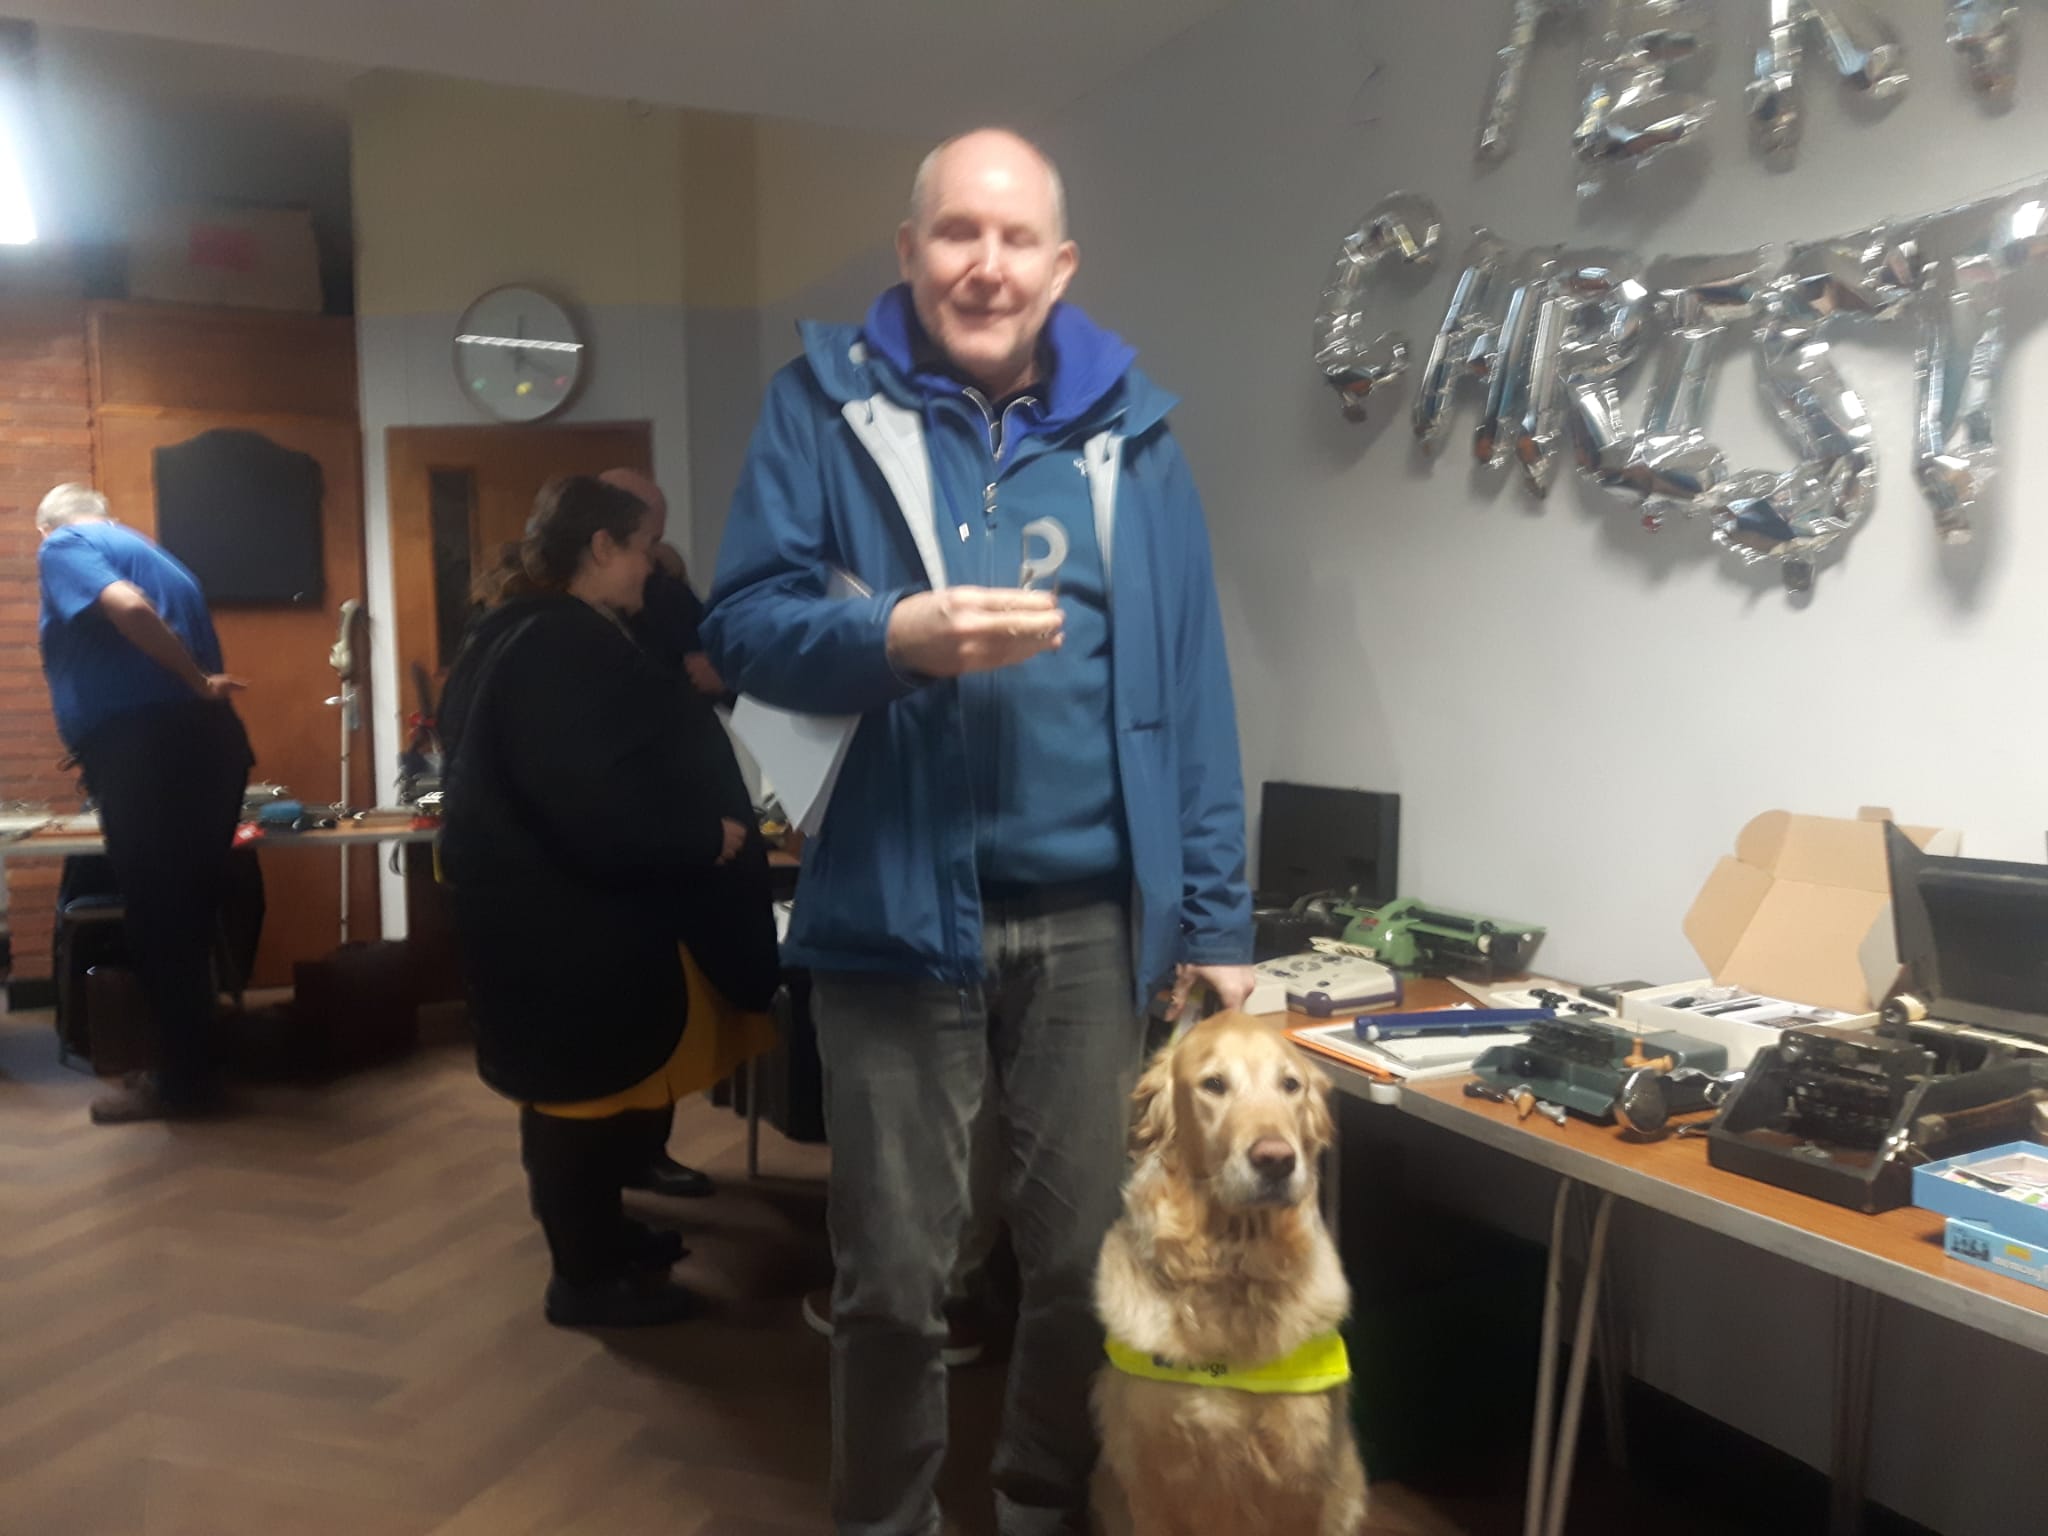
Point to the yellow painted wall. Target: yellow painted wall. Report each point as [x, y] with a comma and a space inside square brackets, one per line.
[461, 186]
[826, 196]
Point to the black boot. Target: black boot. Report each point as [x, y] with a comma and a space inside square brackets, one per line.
[625, 1303]
[663, 1175]
[653, 1248]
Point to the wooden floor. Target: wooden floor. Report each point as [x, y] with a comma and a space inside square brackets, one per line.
[323, 1317]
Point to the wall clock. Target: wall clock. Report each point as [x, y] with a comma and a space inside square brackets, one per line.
[518, 355]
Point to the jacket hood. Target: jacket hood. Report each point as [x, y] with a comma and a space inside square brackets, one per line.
[1093, 379]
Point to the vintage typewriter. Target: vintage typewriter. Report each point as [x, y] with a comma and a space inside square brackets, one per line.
[1957, 1063]
[1582, 1063]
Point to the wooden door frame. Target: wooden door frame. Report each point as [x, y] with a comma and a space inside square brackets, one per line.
[410, 455]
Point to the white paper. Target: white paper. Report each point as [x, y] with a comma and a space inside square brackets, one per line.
[1416, 1059]
[800, 755]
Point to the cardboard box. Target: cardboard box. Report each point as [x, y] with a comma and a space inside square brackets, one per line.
[1801, 912]
[252, 258]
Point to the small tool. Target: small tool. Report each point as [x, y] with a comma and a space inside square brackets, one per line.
[1522, 1097]
[1479, 1090]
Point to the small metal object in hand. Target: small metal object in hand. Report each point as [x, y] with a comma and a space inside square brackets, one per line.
[1053, 533]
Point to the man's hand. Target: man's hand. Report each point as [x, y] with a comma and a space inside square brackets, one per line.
[735, 840]
[1232, 984]
[222, 686]
[972, 629]
[703, 676]
[668, 558]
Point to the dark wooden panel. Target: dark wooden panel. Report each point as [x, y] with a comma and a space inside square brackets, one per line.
[159, 357]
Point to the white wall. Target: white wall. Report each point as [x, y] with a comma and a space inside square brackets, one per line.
[1578, 714]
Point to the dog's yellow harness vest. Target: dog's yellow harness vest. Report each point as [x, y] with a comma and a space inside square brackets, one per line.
[1320, 1364]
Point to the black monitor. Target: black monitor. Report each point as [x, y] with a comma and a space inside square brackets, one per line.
[1313, 839]
[1972, 935]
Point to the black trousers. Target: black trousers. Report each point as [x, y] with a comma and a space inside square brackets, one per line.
[576, 1170]
[169, 780]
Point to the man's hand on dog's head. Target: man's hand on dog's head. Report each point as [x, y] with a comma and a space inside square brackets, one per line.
[1232, 984]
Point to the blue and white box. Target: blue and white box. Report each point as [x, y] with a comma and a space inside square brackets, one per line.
[2001, 1190]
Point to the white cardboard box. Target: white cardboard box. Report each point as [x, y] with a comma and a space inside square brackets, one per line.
[1801, 912]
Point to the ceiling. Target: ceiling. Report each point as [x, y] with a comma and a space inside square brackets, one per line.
[924, 67]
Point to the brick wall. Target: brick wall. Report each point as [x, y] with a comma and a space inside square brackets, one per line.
[45, 438]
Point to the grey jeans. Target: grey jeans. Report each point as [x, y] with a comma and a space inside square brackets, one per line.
[1052, 1040]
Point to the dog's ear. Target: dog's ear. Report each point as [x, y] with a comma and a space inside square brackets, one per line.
[1317, 1127]
[1152, 1106]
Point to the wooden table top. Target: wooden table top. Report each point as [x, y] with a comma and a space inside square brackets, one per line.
[54, 842]
[1897, 1253]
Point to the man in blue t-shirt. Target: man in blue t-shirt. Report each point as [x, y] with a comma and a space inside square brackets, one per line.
[135, 678]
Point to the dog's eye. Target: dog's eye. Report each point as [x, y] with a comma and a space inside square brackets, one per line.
[1215, 1083]
[1290, 1085]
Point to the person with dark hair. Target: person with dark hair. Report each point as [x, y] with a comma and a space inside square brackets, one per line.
[666, 627]
[580, 838]
[135, 678]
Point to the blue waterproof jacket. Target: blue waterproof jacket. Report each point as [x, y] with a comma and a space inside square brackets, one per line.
[838, 478]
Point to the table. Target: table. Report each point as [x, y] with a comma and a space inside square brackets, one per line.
[61, 843]
[1896, 1255]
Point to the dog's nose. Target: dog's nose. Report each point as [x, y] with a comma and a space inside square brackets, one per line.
[1272, 1157]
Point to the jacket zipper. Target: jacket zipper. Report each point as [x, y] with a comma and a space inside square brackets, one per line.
[998, 428]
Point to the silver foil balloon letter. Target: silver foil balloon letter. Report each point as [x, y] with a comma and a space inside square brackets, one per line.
[1404, 228]
[1986, 34]
[1607, 316]
[1866, 53]
[1468, 342]
[1670, 466]
[1776, 99]
[1792, 517]
[1962, 342]
[1513, 392]
[1504, 103]
[1634, 106]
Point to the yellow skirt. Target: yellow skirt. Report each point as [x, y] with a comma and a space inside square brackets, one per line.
[718, 1041]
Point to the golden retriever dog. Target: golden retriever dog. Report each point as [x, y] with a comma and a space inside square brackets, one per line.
[1219, 1265]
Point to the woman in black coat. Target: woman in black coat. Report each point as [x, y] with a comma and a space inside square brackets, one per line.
[585, 844]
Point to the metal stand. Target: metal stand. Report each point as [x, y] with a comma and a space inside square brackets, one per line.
[1550, 1475]
[343, 659]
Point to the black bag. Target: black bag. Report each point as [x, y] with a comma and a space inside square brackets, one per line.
[357, 1007]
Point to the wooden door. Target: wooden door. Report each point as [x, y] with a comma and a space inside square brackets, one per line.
[458, 495]
[163, 375]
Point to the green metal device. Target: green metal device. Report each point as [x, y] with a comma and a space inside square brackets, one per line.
[1412, 935]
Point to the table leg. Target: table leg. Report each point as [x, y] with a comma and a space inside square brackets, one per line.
[1613, 1344]
[754, 1117]
[1546, 1367]
[1575, 1380]
[1855, 1382]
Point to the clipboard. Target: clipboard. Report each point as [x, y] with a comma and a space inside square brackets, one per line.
[800, 755]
